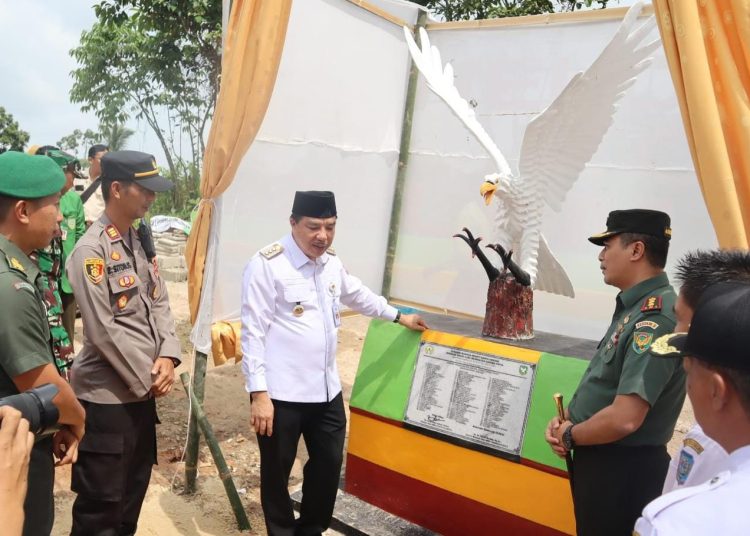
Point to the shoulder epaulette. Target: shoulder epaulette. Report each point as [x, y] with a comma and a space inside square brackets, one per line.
[112, 233]
[269, 252]
[659, 504]
[15, 264]
[652, 303]
[331, 251]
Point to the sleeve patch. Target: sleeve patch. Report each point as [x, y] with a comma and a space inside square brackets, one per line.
[646, 324]
[693, 444]
[652, 303]
[94, 269]
[684, 467]
[642, 341]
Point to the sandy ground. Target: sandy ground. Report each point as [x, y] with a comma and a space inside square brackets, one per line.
[167, 510]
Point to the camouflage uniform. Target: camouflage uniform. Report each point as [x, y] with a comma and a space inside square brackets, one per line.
[49, 261]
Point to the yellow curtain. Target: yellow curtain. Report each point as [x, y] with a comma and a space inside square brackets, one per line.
[252, 50]
[707, 43]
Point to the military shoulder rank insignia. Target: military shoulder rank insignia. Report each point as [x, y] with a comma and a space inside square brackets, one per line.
[112, 232]
[16, 264]
[652, 303]
[331, 251]
[94, 269]
[271, 251]
[642, 341]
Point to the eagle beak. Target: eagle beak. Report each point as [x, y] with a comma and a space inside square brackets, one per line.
[487, 190]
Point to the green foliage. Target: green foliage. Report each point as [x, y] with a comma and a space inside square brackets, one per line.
[115, 135]
[12, 138]
[78, 142]
[487, 9]
[158, 61]
[185, 195]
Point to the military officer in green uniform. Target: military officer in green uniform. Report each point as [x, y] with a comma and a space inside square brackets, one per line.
[29, 217]
[624, 411]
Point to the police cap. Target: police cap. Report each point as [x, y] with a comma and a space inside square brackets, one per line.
[314, 204]
[134, 166]
[639, 221]
[29, 177]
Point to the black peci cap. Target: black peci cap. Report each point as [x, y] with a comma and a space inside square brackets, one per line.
[314, 204]
[718, 332]
[134, 166]
[637, 220]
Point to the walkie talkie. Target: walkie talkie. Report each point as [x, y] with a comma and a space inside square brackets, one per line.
[147, 239]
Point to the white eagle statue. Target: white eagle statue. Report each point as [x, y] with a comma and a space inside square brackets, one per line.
[581, 114]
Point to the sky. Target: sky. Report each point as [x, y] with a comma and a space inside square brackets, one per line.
[35, 39]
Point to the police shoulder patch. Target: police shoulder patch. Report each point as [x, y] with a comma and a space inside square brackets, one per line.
[684, 466]
[112, 232]
[642, 341]
[269, 252]
[93, 267]
[652, 303]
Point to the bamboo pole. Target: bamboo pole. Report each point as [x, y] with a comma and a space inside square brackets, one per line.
[191, 453]
[224, 474]
[403, 161]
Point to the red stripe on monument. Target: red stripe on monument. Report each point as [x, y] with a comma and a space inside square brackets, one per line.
[369, 415]
[432, 507]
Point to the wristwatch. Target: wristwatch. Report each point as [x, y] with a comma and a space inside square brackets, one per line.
[398, 317]
[567, 438]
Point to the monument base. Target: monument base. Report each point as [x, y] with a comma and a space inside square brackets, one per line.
[509, 311]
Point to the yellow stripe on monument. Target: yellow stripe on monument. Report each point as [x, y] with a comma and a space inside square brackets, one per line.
[480, 345]
[502, 484]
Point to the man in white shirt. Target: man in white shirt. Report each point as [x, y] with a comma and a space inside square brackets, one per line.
[701, 457]
[292, 293]
[718, 383]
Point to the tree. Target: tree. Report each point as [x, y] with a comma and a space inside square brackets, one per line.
[487, 9]
[78, 142]
[12, 138]
[160, 61]
[115, 135]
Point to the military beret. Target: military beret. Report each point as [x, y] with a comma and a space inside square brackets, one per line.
[314, 204]
[637, 220]
[29, 177]
[134, 166]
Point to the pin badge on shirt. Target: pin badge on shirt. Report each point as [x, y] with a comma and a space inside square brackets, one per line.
[336, 315]
[298, 310]
[332, 289]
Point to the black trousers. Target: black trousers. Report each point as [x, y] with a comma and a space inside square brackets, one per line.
[39, 506]
[613, 483]
[114, 467]
[323, 426]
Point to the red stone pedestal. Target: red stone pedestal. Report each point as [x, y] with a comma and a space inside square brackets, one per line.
[509, 310]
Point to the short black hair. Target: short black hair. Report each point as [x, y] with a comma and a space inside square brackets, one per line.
[656, 247]
[698, 270]
[738, 379]
[98, 148]
[6, 204]
[107, 183]
[44, 149]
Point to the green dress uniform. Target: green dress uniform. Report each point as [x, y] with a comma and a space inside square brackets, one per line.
[24, 333]
[612, 483]
[24, 346]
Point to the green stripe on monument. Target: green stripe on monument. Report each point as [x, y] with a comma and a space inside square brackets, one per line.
[386, 368]
[554, 374]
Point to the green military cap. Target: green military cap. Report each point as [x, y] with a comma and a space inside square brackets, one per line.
[639, 221]
[66, 161]
[29, 177]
